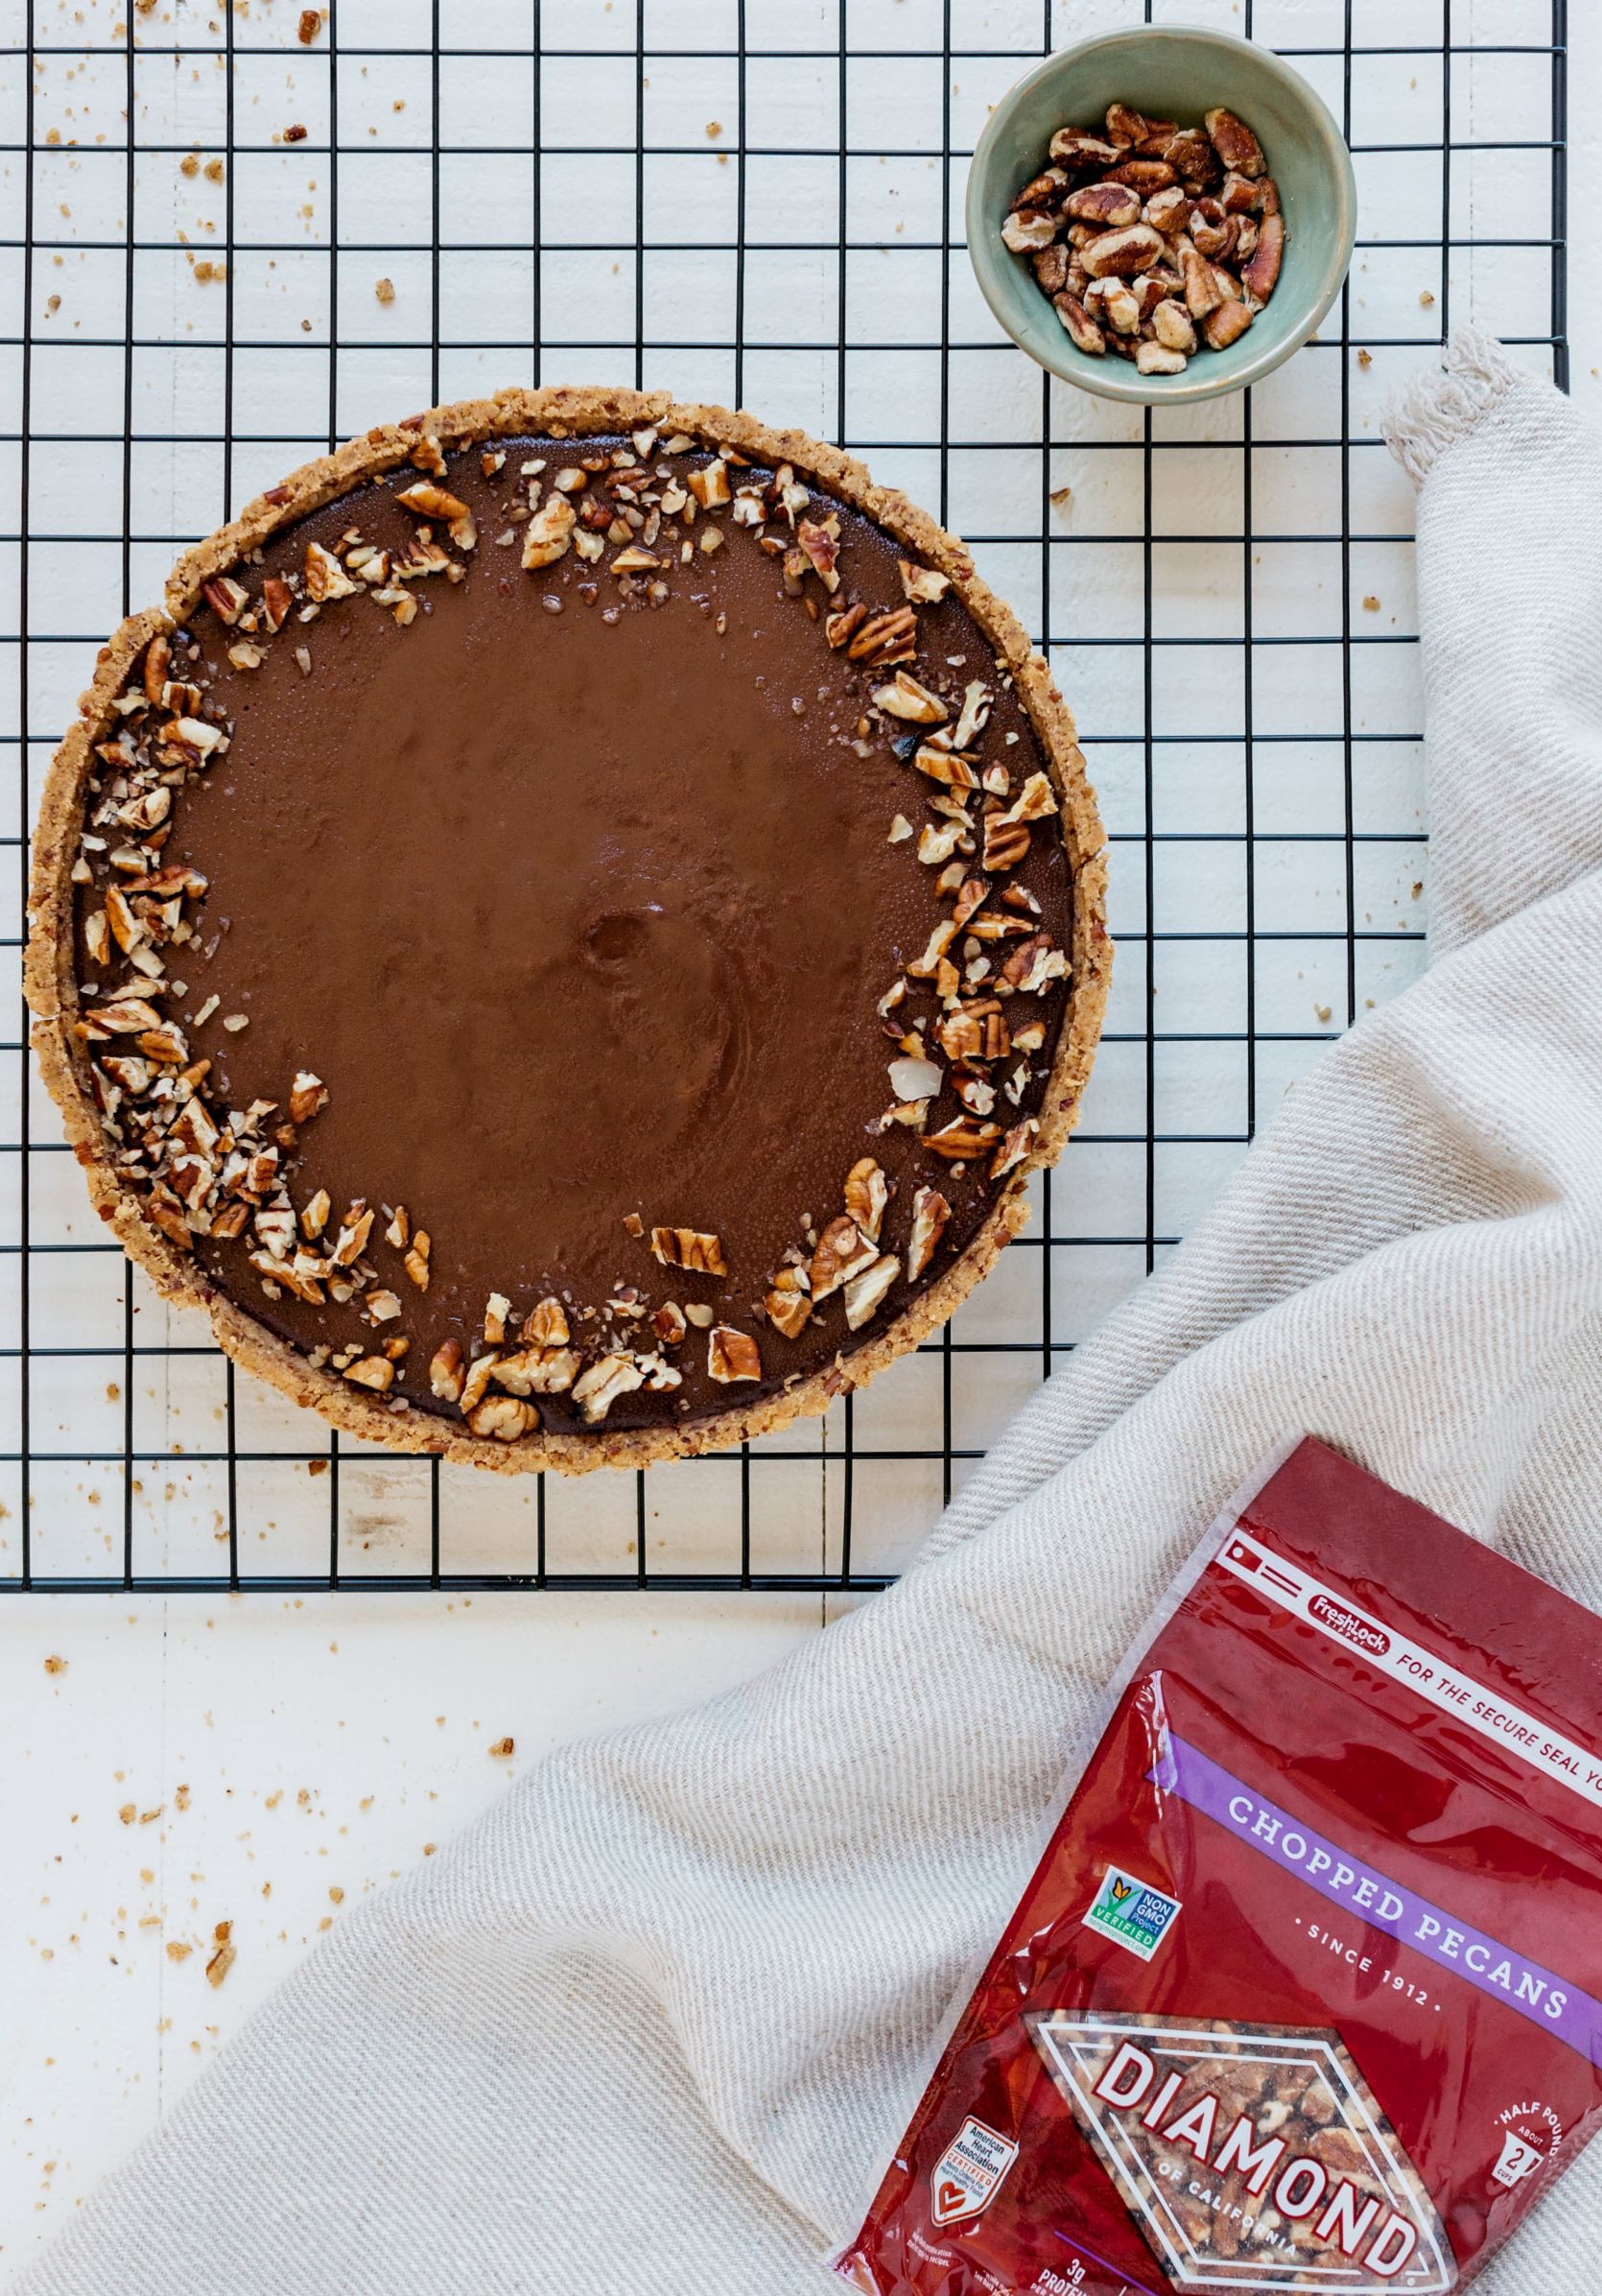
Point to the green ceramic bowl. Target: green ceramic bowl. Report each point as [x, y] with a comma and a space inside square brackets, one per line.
[1171, 73]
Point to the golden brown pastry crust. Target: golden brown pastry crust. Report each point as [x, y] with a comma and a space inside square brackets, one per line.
[50, 981]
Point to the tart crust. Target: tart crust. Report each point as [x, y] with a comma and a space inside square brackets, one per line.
[50, 972]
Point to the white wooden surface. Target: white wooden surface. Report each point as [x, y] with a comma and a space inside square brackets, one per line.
[281, 1757]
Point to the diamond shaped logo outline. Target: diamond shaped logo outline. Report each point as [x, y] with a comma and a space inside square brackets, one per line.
[1069, 2041]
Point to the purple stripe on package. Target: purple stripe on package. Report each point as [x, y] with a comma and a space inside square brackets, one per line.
[1522, 1986]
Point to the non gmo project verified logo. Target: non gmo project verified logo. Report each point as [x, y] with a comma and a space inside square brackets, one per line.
[1131, 1913]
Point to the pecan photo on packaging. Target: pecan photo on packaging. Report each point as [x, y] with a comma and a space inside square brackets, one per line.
[1154, 241]
[1305, 1990]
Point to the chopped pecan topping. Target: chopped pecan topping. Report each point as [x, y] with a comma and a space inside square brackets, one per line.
[885, 640]
[537, 1370]
[843, 1251]
[325, 577]
[475, 1385]
[425, 500]
[788, 1305]
[904, 697]
[866, 1293]
[496, 1310]
[546, 1325]
[929, 1215]
[939, 941]
[417, 1259]
[945, 765]
[867, 1192]
[669, 1324]
[821, 542]
[710, 486]
[689, 1247]
[971, 896]
[506, 1417]
[731, 1355]
[600, 1386]
[1006, 842]
[839, 628]
[226, 598]
[547, 532]
[964, 1137]
[1013, 1149]
[445, 1371]
[921, 585]
[372, 1371]
[915, 1079]
[308, 1096]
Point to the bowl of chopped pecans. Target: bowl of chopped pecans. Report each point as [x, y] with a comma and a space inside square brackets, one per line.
[1161, 215]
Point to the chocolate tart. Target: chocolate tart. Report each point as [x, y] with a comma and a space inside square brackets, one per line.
[569, 933]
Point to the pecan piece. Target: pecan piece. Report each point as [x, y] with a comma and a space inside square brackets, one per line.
[1202, 291]
[866, 1293]
[839, 628]
[1193, 159]
[1172, 324]
[1121, 254]
[843, 1251]
[691, 1248]
[886, 639]
[1144, 176]
[1013, 1149]
[1261, 274]
[546, 1325]
[1052, 267]
[325, 577]
[1226, 326]
[226, 598]
[1079, 147]
[964, 1137]
[308, 1096]
[731, 1355]
[710, 486]
[372, 1371]
[1082, 330]
[505, 1418]
[1155, 359]
[598, 1390]
[1168, 210]
[1005, 843]
[1029, 230]
[921, 585]
[1234, 142]
[822, 546]
[537, 1371]
[929, 1215]
[548, 532]
[1043, 190]
[904, 697]
[867, 1193]
[946, 766]
[158, 658]
[1114, 206]
[789, 1308]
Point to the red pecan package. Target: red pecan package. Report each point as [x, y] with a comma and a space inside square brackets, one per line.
[1303, 1993]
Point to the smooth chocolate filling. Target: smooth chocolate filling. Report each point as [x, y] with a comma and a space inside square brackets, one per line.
[581, 904]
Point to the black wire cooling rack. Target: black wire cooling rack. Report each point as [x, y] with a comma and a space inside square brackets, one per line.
[227, 247]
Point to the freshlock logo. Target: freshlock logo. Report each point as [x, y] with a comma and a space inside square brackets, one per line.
[1336, 1617]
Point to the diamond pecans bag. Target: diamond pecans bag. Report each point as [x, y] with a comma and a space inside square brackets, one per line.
[1303, 1993]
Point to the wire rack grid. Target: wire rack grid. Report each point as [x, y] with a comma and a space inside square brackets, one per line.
[227, 248]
